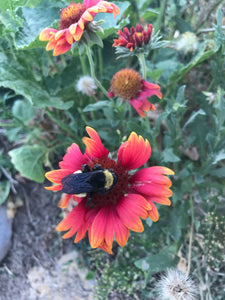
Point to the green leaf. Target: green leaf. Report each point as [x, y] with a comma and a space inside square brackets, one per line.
[219, 33]
[4, 190]
[182, 25]
[28, 160]
[178, 220]
[169, 156]
[35, 19]
[153, 263]
[219, 105]
[193, 117]
[218, 157]
[96, 106]
[220, 172]
[93, 37]
[134, 126]
[201, 56]
[23, 111]
[21, 79]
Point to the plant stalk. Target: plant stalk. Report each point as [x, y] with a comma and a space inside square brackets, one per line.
[92, 69]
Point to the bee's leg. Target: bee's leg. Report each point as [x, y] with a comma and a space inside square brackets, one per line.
[97, 167]
[86, 168]
[88, 202]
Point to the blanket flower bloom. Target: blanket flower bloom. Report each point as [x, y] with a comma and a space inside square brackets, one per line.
[135, 38]
[74, 19]
[128, 85]
[114, 213]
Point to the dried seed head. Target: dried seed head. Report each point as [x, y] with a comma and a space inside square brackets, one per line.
[175, 285]
[86, 86]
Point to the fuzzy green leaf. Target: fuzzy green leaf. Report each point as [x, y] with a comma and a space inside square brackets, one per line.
[169, 156]
[28, 160]
[153, 263]
[23, 111]
[96, 106]
[21, 79]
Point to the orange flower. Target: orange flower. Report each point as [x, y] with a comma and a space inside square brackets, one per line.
[128, 85]
[112, 212]
[73, 21]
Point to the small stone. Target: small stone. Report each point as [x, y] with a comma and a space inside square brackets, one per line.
[5, 232]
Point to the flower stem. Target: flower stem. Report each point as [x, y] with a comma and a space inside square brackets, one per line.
[141, 58]
[83, 65]
[191, 235]
[92, 69]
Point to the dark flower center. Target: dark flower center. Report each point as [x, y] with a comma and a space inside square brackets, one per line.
[71, 14]
[126, 84]
[120, 188]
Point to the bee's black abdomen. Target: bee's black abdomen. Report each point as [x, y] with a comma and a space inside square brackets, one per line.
[99, 180]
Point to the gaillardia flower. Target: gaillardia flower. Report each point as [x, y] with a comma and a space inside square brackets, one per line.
[73, 21]
[128, 85]
[110, 200]
[135, 38]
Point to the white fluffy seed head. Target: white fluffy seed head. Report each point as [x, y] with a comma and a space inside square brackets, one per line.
[86, 86]
[187, 43]
[175, 285]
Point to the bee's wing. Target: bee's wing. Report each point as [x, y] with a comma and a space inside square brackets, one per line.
[77, 183]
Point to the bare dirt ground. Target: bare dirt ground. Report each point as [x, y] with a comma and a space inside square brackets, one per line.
[40, 265]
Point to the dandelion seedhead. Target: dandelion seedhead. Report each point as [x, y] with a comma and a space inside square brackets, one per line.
[86, 85]
[175, 285]
[188, 43]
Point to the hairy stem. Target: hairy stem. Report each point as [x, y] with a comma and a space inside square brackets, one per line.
[141, 58]
[92, 69]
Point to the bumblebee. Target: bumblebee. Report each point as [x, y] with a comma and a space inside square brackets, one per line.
[98, 180]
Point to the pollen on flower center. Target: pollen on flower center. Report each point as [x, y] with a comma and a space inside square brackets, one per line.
[71, 15]
[126, 84]
[118, 190]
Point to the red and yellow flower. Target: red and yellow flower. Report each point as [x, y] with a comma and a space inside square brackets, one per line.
[133, 197]
[73, 21]
[135, 38]
[128, 85]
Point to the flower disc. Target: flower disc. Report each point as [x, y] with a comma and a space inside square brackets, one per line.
[126, 84]
[71, 15]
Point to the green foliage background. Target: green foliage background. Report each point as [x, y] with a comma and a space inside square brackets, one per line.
[42, 113]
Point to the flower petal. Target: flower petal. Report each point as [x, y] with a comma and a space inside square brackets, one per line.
[146, 176]
[94, 146]
[47, 33]
[56, 176]
[62, 47]
[64, 201]
[54, 188]
[153, 213]
[141, 105]
[73, 159]
[160, 170]
[152, 89]
[152, 189]
[106, 248]
[73, 220]
[135, 152]
[121, 231]
[90, 3]
[109, 231]
[128, 217]
[160, 200]
[98, 227]
[89, 218]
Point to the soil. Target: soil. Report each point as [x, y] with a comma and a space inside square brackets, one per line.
[35, 263]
